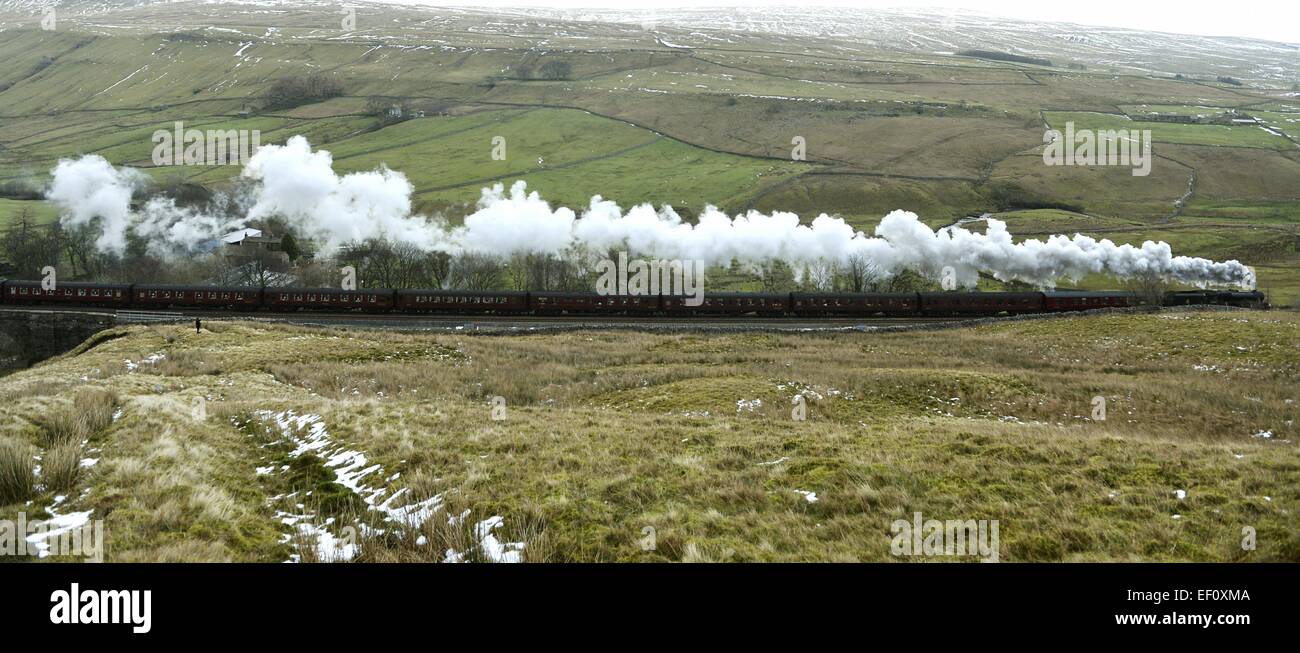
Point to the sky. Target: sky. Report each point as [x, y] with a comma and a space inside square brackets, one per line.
[1274, 20]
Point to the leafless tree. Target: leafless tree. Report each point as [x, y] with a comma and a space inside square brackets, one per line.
[476, 272]
[776, 277]
[863, 275]
[820, 276]
[316, 274]
[518, 272]
[1149, 287]
[28, 246]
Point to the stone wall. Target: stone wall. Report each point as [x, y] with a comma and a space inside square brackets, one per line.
[31, 335]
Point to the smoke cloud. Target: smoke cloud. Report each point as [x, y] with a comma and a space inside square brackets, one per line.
[90, 188]
[298, 185]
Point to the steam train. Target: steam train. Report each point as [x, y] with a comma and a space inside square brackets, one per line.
[483, 302]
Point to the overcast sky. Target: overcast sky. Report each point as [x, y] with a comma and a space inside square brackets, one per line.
[1276, 20]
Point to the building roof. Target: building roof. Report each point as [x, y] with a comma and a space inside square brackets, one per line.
[238, 236]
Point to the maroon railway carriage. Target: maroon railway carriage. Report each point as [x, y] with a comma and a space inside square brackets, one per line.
[117, 295]
[629, 304]
[1074, 300]
[590, 303]
[903, 303]
[461, 301]
[158, 296]
[364, 299]
[728, 303]
[980, 303]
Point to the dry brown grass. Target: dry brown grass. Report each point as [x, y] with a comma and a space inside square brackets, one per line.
[61, 466]
[611, 433]
[17, 471]
[90, 412]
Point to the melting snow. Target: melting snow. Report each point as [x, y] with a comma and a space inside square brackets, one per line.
[350, 468]
[492, 548]
[55, 527]
[151, 359]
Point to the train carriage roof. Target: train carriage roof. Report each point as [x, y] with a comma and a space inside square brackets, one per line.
[732, 295]
[556, 293]
[1088, 293]
[982, 295]
[174, 286]
[67, 284]
[358, 291]
[853, 295]
[462, 293]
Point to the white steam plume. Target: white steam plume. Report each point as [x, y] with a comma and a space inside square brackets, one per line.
[90, 188]
[300, 186]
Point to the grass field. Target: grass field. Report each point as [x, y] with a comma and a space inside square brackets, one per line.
[256, 442]
[1220, 135]
[42, 212]
[607, 434]
[711, 122]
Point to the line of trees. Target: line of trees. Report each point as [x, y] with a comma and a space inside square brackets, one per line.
[290, 92]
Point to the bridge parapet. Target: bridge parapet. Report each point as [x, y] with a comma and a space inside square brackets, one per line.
[29, 335]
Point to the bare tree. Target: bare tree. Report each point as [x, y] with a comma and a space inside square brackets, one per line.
[776, 277]
[517, 270]
[820, 276]
[476, 272]
[316, 274]
[1149, 287]
[863, 275]
[262, 268]
[28, 246]
[436, 269]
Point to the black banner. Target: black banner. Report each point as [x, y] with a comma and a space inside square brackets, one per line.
[338, 603]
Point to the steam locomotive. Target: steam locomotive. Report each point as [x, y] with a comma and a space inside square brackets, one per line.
[484, 302]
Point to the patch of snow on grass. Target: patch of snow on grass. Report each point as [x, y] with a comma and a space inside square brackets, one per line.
[493, 549]
[151, 359]
[351, 467]
[53, 528]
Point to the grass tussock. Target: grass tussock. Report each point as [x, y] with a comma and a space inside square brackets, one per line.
[91, 411]
[17, 471]
[61, 466]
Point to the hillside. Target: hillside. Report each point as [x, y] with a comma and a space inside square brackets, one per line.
[257, 442]
[687, 108]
